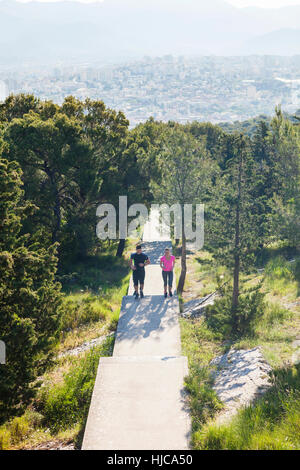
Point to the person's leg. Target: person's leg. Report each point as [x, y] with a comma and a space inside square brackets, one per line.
[142, 280]
[164, 275]
[170, 282]
[135, 283]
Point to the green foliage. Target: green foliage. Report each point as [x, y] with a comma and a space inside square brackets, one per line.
[29, 297]
[82, 309]
[19, 428]
[296, 270]
[279, 268]
[274, 313]
[4, 439]
[68, 403]
[94, 291]
[73, 157]
[272, 423]
[280, 275]
[221, 318]
[285, 144]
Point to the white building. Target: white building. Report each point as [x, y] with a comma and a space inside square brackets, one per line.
[3, 91]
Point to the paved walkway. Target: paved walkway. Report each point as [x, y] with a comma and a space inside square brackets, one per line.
[139, 399]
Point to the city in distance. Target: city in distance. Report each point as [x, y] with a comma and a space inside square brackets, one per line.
[177, 60]
[183, 89]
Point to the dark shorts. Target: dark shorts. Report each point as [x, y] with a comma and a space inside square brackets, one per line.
[138, 276]
[168, 278]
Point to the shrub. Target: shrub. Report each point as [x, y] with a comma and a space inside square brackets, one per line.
[5, 439]
[19, 429]
[221, 318]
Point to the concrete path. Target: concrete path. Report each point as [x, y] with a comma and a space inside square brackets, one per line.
[139, 398]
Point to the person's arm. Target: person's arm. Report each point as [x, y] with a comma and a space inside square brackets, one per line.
[174, 259]
[161, 263]
[132, 263]
[147, 261]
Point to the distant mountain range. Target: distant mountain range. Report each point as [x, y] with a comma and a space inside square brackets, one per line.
[117, 29]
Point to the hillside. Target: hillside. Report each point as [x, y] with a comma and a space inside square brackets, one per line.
[62, 280]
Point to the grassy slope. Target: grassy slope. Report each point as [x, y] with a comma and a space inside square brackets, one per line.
[91, 309]
[273, 421]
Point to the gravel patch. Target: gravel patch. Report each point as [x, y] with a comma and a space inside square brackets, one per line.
[85, 346]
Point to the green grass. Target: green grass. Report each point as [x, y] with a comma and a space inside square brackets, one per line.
[61, 407]
[19, 428]
[200, 345]
[67, 403]
[91, 305]
[272, 423]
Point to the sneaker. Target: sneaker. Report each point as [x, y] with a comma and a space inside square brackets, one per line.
[166, 295]
[141, 294]
[136, 294]
[170, 294]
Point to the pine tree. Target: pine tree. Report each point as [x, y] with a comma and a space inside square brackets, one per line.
[29, 297]
[233, 214]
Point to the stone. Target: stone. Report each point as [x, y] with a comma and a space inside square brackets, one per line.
[196, 307]
[240, 376]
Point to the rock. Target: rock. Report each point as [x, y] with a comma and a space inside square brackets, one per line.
[289, 305]
[296, 354]
[239, 378]
[52, 445]
[196, 307]
[85, 346]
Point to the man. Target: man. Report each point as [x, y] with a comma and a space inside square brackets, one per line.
[167, 263]
[138, 261]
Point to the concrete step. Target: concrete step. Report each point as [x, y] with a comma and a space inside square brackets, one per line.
[148, 327]
[138, 404]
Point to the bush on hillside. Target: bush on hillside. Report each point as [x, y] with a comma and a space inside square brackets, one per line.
[221, 318]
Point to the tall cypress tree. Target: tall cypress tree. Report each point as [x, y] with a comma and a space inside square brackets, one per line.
[29, 297]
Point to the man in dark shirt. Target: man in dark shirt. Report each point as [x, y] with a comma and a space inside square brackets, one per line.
[138, 261]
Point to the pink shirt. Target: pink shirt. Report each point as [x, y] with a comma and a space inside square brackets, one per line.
[168, 263]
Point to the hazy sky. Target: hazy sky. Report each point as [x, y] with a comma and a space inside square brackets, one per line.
[238, 3]
[263, 3]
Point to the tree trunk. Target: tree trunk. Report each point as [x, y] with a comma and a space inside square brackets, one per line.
[236, 274]
[121, 247]
[57, 214]
[183, 264]
[236, 278]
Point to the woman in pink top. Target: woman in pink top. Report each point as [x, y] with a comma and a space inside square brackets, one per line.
[167, 263]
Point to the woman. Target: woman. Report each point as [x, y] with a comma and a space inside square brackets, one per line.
[167, 263]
